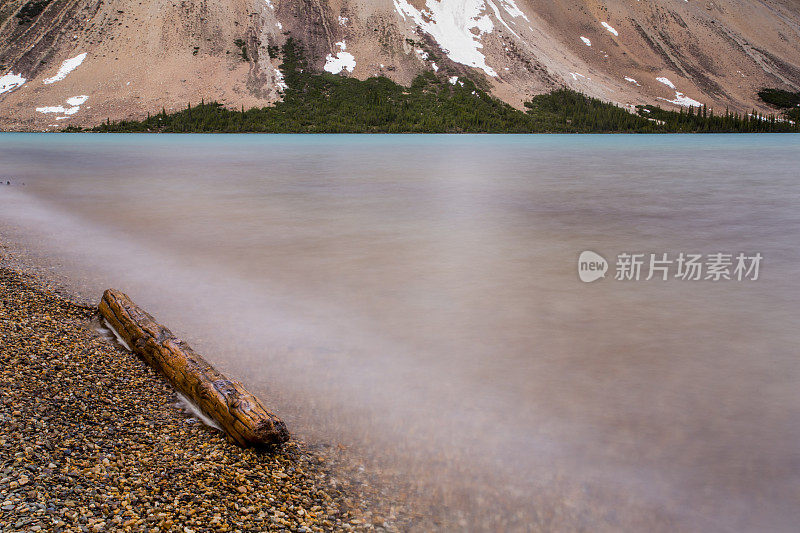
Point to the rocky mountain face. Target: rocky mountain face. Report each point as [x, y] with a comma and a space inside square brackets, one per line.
[81, 62]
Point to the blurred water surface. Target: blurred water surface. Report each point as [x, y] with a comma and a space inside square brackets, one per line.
[416, 299]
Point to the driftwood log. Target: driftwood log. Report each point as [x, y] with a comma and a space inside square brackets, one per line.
[223, 400]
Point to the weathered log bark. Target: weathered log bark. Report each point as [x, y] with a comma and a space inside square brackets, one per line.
[225, 401]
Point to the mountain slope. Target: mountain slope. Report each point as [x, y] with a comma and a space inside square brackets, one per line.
[80, 62]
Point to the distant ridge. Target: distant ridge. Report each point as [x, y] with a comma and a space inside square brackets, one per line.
[123, 60]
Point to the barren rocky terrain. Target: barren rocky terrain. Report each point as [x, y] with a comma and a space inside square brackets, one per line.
[81, 62]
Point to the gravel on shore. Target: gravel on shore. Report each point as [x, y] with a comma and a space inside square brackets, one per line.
[91, 440]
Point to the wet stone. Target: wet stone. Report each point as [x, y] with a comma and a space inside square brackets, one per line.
[91, 440]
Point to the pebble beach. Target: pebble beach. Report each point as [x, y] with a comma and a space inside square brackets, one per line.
[92, 439]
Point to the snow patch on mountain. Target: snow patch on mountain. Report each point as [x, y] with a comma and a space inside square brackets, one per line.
[280, 82]
[666, 82]
[77, 100]
[335, 63]
[682, 100]
[11, 81]
[511, 8]
[499, 17]
[457, 25]
[74, 102]
[59, 109]
[66, 67]
[607, 26]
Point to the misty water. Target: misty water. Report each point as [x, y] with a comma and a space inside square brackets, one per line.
[415, 301]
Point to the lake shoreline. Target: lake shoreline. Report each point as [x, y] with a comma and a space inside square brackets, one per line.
[93, 440]
[410, 306]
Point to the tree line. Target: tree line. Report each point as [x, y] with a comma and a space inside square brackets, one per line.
[327, 103]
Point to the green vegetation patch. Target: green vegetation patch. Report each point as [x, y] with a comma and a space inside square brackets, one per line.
[567, 110]
[780, 98]
[703, 120]
[327, 103]
[786, 100]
